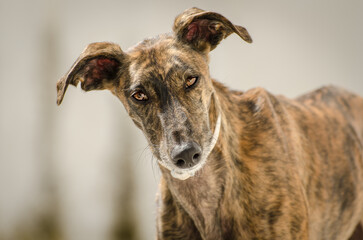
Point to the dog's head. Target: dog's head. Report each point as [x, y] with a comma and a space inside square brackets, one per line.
[165, 86]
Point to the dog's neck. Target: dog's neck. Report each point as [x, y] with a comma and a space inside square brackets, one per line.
[202, 196]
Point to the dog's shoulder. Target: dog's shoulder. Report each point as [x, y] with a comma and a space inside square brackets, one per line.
[259, 102]
[254, 100]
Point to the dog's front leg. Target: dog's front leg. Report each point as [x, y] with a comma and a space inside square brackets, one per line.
[173, 223]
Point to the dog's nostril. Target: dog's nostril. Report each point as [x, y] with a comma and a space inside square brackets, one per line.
[196, 157]
[180, 163]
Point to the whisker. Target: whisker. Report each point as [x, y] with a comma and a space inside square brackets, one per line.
[154, 167]
[139, 158]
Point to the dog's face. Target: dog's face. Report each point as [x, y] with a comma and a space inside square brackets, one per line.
[169, 94]
[165, 86]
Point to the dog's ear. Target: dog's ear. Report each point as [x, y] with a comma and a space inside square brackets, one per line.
[204, 30]
[96, 68]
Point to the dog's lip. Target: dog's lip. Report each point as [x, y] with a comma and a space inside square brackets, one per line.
[184, 174]
[181, 176]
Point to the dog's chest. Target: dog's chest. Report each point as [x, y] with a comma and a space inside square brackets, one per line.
[201, 199]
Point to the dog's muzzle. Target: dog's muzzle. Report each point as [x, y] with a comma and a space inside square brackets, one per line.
[189, 158]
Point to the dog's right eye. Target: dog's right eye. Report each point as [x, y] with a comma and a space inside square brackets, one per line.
[140, 96]
[191, 81]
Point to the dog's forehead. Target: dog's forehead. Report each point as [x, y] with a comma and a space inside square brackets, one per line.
[160, 55]
[152, 54]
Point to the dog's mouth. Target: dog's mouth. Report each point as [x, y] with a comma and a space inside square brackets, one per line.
[184, 172]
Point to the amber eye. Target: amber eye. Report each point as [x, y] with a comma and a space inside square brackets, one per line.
[191, 81]
[139, 96]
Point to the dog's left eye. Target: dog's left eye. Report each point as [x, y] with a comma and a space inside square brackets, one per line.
[140, 96]
[191, 81]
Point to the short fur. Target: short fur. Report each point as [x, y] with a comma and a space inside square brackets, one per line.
[281, 168]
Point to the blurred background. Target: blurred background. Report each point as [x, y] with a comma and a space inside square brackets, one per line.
[82, 171]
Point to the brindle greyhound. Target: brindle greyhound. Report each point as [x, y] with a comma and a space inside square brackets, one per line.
[235, 165]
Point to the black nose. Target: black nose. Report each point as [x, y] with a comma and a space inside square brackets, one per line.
[186, 156]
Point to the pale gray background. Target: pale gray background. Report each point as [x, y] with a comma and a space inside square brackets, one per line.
[84, 165]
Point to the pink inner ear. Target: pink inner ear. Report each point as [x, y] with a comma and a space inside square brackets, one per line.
[99, 69]
[106, 64]
[192, 31]
[199, 29]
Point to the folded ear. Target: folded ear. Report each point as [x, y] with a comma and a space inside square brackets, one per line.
[204, 30]
[96, 68]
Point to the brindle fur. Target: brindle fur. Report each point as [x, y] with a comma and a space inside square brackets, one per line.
[281, 168]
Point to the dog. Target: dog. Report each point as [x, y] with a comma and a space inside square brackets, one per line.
[235, 165]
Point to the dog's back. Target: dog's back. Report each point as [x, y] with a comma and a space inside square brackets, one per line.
[329, 127]
[338, 101]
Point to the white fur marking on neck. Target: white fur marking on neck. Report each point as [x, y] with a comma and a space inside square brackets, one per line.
[215, 135]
